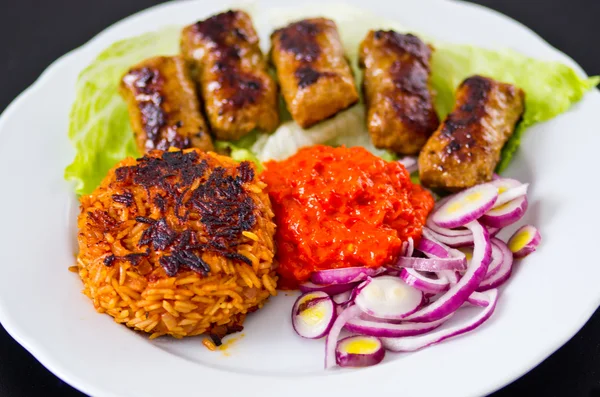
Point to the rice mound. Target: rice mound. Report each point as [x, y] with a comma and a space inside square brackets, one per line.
[178, 243]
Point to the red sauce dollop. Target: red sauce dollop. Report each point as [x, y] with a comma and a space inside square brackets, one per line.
[341, 207]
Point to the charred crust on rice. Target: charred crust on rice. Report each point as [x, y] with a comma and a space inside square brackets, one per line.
[181, 182]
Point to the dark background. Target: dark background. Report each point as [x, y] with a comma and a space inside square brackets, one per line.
[35, 33]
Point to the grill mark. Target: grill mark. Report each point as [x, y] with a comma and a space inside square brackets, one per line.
[405, 44]
[300, 39]
[307, 76]
[147, 85]
[412, 99]
[411, 79]
[239, 87]
[460, 124]
[217, 28]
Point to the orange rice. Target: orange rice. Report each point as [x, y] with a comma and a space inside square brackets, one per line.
[158, 287]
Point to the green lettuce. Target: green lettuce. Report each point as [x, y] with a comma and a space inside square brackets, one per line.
[550, 87]
[99, 126]
[240, 150]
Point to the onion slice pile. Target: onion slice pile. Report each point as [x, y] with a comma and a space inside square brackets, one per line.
[459, 292]
[412, 343]
[407, 306]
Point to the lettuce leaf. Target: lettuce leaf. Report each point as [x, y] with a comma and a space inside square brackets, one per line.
[550, 87]
[99, 126]
[241, 150]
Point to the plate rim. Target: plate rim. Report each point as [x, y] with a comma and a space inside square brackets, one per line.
[27, 339]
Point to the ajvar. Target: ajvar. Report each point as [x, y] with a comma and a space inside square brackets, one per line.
[341, 207]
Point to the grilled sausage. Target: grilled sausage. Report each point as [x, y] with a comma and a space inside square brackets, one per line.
[465, 149]
[400, 112]
[239, 94]
[163, 106]
[315, 78]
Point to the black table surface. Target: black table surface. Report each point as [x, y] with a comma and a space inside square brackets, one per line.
[34, 33]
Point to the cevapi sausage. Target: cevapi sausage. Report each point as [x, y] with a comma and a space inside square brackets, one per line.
[238, 92]
[465, 149]
[163, 106]
[400, 112]
[315, 78]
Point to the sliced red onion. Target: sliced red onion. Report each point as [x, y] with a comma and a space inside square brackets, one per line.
[493, 230]
[459, 292]
[388, 297]
[432, 264]
[497, 257]
[478, 299]
[408, 247]
[524, 241]
[504, 184]
[452, 241]
[424, 283]
[391, 330]
[504, 268]
[432, 247]
[392, 272]
[498, 253]
[350, 301]
[345, 275]
[313, 315]
[511, 194]
[334, 334]
[359, 351]
[412, 343]
[410, 250]
[451, 275]
[466, 206]
[505, 214]
[410, 163]
[330, 289]
[460, 232]
[342, 298]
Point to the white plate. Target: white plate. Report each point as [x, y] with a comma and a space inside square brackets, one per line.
[549, 298]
